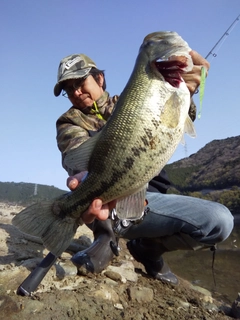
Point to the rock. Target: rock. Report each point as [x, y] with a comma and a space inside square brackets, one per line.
[26, 255]
[65, 269]
[80, 244]
[140, 294]
[31, 264]
[206, 298]
[106, 293]
[115, 276]
[111, 282]
[236, 307]
[202, 290]
[118, 306]
[125, 272]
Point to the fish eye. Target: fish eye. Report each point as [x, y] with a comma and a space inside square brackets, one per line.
[165, 42]
[151, 43]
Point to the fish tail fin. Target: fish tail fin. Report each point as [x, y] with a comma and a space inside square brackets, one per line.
[40, 220]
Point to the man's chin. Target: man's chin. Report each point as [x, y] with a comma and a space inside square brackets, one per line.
[86, 104]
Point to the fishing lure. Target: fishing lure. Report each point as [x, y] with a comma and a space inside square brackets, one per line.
[202, 89]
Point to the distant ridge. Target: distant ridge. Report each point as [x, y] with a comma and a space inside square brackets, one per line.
[27, 193]
[212, 173]
[215, 166]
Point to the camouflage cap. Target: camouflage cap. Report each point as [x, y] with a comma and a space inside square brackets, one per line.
[72, 67]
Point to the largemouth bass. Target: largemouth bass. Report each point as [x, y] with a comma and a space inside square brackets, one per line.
[147, 124]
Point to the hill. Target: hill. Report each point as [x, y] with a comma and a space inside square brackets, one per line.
[27, 193]
[212, 173]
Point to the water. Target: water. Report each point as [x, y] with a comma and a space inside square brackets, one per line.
[196, 267]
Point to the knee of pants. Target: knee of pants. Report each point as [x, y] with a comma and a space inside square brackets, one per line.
[219, 226]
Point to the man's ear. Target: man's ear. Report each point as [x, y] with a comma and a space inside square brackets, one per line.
[100, 79]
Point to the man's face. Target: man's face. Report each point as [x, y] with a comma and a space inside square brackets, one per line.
[88, 92]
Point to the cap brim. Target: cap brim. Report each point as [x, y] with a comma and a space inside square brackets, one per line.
[71, 75]
[57, 89]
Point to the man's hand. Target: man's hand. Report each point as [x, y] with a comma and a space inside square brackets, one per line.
[193, 78]
[96, 210]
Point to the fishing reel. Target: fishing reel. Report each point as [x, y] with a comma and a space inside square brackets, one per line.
[120, 226]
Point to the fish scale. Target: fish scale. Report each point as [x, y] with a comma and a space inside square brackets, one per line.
[146, 126]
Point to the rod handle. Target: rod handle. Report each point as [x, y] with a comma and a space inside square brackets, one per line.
[33, 280]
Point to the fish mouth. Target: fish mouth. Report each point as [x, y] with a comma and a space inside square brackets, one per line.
[168, 53]
[172, 70]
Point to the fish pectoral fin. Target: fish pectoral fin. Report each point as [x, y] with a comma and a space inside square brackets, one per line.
[78, 158]
[40, 221]
[132, 207]
[189, 128]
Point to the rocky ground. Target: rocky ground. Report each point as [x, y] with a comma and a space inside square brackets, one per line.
[122, 291]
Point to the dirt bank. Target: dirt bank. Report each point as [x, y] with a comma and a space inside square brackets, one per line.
[124, 292]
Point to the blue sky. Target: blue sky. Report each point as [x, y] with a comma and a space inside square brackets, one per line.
[36, 35]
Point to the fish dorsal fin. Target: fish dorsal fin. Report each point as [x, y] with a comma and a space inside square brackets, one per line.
[189, 128]
[132, 207]
[78, 158]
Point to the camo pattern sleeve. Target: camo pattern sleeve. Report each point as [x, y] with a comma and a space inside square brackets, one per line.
[73, 126]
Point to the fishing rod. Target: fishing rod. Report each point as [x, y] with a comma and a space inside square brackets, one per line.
[201, 93]
[214, 54]
[203, 70]
[223, 37]
[33, 280]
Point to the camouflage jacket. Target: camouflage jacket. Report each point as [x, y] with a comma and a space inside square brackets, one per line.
[76, 126]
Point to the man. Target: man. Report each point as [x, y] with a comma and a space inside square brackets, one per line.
[173, 222]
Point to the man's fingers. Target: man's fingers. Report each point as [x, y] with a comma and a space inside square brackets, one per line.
[193, 77]
[73, 181]
[96, 211]
[198, 60]
[97, 204]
